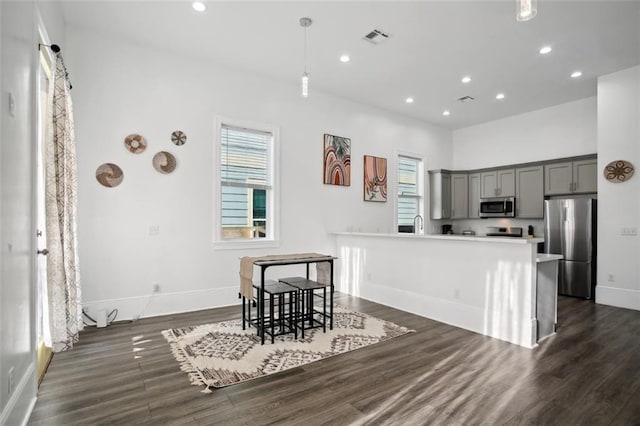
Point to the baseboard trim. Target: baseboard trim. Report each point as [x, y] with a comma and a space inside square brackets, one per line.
[152, 305]
[619, 297]
[20, 401]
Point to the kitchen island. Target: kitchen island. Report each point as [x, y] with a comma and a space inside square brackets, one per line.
[483, 284]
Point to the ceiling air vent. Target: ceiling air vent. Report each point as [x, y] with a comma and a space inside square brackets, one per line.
[376, 36]
[466, 99]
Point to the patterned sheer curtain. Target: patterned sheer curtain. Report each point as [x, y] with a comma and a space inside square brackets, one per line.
[63, 278]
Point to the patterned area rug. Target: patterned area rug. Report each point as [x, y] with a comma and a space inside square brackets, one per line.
[222, 354]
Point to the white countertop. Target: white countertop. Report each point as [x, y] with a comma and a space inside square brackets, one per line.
[476, 238]
[545, 257]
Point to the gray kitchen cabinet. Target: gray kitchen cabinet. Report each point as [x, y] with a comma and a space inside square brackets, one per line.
[530, 192]
[585, 176]
[498, 183]
[489, 184]
[474, 195]
[459, 196]
[440, 195]
[571, 177]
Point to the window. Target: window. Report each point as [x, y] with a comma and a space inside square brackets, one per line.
[246, 191]
[409, 201]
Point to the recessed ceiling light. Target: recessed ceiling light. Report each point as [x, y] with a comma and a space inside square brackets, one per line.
[198, 6]
[500, 96]
[409, 100]
[576, 74]
[466, 79]
[345, 58]
[446, 112]
[545, 49]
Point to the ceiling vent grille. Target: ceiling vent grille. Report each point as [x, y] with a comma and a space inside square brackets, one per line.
[466, 99]
[376, 36]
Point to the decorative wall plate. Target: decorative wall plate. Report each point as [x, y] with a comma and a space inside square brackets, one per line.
[618, 171]
[178, 138]
[164, 162]
[109, 175]
[135, 143]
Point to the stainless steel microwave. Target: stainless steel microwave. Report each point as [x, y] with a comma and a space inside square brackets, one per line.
[498, 207]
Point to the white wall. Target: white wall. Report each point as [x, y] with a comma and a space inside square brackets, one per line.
[560, 131]
[16, 203]
[619, 139]
[122, 88]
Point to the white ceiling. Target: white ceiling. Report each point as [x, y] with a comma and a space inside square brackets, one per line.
[432, 46]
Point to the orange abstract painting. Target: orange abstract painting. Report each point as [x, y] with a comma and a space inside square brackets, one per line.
[337, 160]
[375, 178]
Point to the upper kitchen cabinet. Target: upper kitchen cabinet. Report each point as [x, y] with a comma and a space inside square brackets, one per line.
[459, 196]
[474, 195]
[530, 192]
[440, 194]
[498, 183]
[571, 177]
[585, 175]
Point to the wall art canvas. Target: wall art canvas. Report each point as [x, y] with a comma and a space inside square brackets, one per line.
[375, 179]
[337, 160]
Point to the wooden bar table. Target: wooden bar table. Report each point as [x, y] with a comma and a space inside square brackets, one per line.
[286, 260]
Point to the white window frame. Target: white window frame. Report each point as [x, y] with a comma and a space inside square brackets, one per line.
[421, 187]
[272, 239]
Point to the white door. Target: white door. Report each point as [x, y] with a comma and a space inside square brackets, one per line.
[43, 336]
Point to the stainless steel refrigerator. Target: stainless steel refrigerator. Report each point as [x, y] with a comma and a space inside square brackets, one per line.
[570, 230]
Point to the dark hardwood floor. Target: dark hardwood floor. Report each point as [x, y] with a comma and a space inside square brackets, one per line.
[588, 373]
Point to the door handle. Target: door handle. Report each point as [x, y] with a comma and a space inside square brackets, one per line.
[43, 252]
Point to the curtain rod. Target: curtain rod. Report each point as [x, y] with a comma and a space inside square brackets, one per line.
[56, 49]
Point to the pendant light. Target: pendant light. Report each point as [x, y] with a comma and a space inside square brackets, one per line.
[305, 23]
[526, 10]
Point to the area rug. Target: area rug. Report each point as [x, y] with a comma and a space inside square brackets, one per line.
[222, 354]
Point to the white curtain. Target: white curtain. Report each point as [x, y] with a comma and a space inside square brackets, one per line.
[63, 277]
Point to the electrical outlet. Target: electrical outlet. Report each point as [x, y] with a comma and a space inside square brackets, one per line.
[611, 278]
[11, 384]
[156, 287]
[629, 232]
[12, 105]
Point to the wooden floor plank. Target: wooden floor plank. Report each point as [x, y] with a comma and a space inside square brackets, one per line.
[585, 374]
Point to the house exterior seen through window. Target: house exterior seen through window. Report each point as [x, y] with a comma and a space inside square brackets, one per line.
[409, 201]
[246, 184]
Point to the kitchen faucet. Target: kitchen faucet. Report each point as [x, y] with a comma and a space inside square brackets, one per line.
[415, 230]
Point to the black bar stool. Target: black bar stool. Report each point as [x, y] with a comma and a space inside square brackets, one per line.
[281, 296]
[307, 312]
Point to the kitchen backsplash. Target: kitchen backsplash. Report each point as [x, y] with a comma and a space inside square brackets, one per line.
[480, 226]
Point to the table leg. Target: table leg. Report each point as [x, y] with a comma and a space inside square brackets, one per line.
[261, 307]
[244, 325]
[331, 304]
